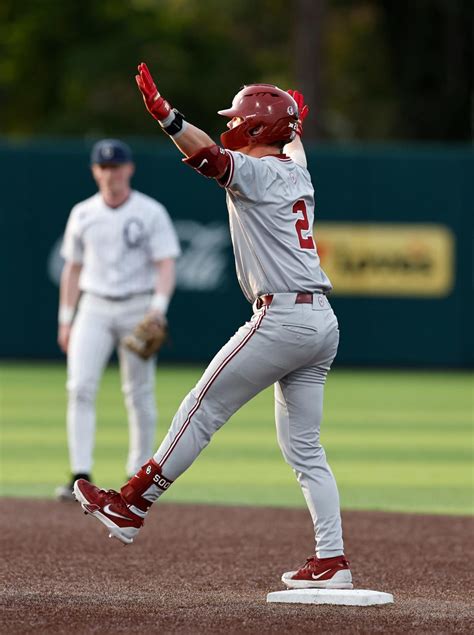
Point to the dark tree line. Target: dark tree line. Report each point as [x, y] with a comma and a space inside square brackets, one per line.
[370, 69]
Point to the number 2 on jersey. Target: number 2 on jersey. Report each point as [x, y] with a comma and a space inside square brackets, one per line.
[302, 225]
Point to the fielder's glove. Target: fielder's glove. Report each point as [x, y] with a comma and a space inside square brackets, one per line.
[148, 336]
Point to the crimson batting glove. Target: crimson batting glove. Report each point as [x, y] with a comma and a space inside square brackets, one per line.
[158, 107]
[303, 109]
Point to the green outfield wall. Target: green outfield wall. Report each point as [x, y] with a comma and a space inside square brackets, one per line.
[393, 226]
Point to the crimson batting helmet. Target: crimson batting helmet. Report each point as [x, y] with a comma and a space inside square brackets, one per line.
[268, 114]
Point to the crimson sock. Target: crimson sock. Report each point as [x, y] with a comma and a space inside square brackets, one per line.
[145, 487]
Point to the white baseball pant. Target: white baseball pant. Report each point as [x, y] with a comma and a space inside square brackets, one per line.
[97, 330]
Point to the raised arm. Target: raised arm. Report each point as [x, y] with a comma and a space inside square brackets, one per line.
[200, 150]
[295, 149]
[188, 138]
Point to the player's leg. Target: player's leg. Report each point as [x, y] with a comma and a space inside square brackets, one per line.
[298, 414]
[138, 386]
[241, 369]
[298, 406]
[233, 377]
[247, 364]
[90, 347]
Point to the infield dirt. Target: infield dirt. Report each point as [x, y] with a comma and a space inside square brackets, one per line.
[208, 569]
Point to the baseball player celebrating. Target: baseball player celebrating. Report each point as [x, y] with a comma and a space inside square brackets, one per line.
[120, 248]
[290, 340]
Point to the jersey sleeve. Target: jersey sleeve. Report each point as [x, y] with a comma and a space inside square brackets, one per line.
[248, 177]
[72, 248]
[164, 241]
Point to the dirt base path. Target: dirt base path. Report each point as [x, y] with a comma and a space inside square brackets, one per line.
[208, 569]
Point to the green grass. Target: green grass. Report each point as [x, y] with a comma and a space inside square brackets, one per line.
[395, 440]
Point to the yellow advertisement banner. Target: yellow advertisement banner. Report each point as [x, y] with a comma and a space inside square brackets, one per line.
[382, 259]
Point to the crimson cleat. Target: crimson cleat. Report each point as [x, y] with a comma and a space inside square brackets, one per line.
[320, 573]
[110, 508]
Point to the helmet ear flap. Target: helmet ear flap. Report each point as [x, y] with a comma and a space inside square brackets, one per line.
[269, 116]
[237, 137]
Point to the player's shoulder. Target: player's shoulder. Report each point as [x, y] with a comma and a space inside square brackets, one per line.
[283, 165]
[277, 159]
[88, 205]
[281, 162]
[147, 203]
[268, 162]
[292, 175]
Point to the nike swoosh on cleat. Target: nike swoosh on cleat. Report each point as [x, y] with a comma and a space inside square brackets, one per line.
[203, 162]
[316, 577]
[107, 510]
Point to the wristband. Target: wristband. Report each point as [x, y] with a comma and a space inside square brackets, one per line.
[65, 315]
[159, 302]
[164, 123]
[173, 124]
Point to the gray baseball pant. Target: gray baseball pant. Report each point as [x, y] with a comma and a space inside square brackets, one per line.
[289, 345]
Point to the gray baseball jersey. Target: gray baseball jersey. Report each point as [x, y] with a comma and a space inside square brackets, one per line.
[117, 247]
[271, 215]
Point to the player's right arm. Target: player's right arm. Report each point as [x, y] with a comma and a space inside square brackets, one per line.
[68, 297]
[72, 250]
[200, 150]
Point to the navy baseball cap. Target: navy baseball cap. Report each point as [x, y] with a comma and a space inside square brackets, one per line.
[110, 151]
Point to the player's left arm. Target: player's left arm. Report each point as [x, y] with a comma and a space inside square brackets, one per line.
[151, 332]
[200, 150]
[295, 149]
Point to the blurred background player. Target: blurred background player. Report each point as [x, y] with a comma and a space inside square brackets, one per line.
[291, 339]
[119, 248]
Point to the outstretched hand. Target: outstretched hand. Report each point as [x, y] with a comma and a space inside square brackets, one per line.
[158, 107]
[303, 109]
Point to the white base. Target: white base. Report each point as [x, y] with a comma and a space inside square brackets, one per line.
[345, 597]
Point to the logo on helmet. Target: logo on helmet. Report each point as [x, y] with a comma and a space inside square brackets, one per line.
[290, 110]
